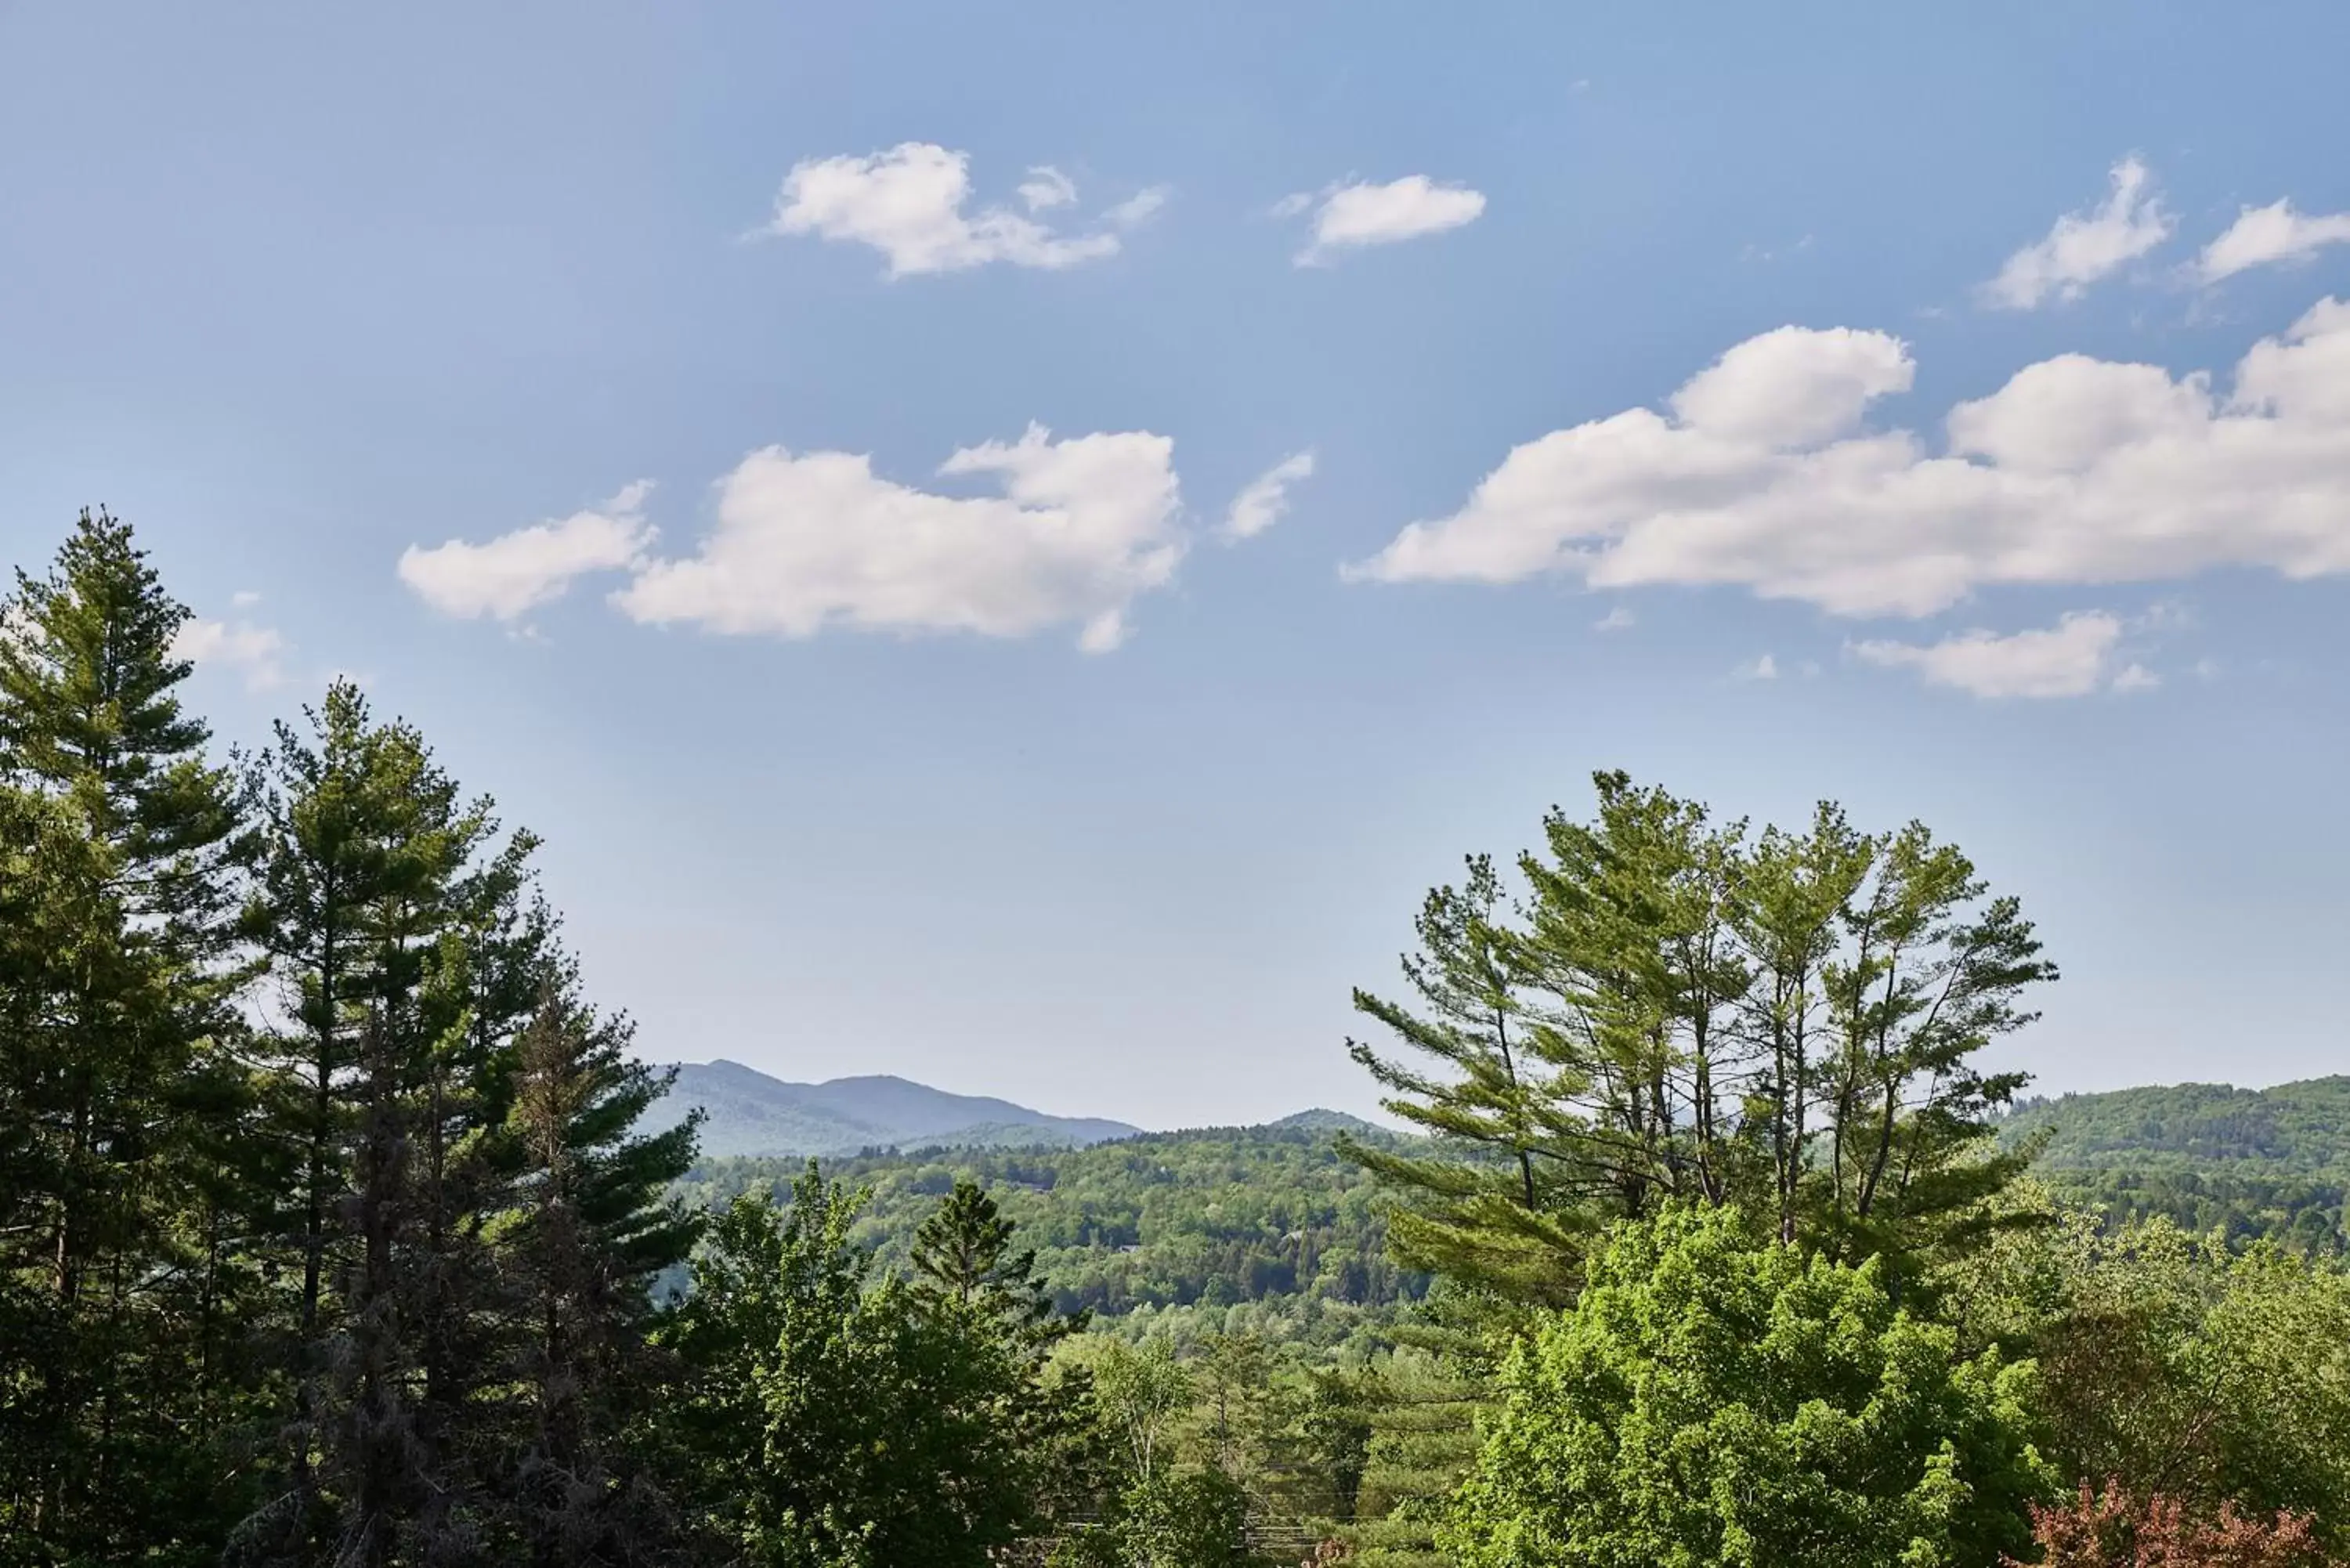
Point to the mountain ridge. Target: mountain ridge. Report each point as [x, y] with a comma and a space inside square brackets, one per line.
[748, 1112]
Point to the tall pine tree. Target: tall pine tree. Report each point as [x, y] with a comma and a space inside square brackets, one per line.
[121, 1073]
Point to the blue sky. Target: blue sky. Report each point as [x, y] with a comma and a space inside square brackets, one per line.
[1031, 778]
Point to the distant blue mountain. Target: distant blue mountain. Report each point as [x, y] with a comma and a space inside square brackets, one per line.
[746, 1112]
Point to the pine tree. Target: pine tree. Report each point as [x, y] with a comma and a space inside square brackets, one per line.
[1501, 1198]
[127, 1083]
[963, 1254]
[1787, 1025]
[597, 1226]
[379, 889]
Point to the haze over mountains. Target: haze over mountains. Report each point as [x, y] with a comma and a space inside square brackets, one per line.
[2297, 1128]
[747, 1112]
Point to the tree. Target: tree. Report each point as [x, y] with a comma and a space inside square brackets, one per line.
[2113, 1529]
[1499, 1200]
[599, 1222]
[398, 931]
[963, 1255]
[831, 1419]
[122, 1078]
[1785, 1023]
[2173, 1366]
[1712, 1398]
[1142, 1393]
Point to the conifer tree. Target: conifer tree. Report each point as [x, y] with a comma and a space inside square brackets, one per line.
[1788, 1024]
[597, 1224]
[127, 1082]
[1501, 1197]
[963, 1254]
[379, 886]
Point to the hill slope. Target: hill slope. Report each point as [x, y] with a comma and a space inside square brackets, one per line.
[749, 1113]
[2252, 1162]
[2296, 1129]
[1165, 1229]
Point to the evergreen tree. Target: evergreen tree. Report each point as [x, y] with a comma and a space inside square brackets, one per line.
[597, 1224]
[123, 1076]
[1500, 1197]
[378, 889]
[963, 1255]
[1787, 1025]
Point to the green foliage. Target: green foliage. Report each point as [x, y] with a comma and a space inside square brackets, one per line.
[595, 1227]
[827, 1418]
[1784, 1023]
[1192, 1234]
[119, 1091]
[1499, 1197]
[2174, 1365]
[286, 1275]
[2272, 1163]
[1714, 1401]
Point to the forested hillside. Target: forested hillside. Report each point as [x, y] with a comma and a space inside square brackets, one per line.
[2253, 1162]
[1197, 1222]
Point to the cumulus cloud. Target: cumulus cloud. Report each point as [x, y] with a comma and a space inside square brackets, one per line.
[908, 202]
[2071, 659]
[1764, 667]
[1264, 499]
[516, 573]
[2270, 235]
[257, 653]
[1766, 476]
[1792, 387]
[1082, 526]
[1047, 187]
[2086, 247]
[1348, 217]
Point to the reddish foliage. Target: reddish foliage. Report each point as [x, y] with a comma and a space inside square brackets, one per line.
[2113, 1529]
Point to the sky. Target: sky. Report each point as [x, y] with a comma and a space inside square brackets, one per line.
[1010, 545]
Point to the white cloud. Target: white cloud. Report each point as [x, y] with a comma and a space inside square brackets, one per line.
[1264, 500]
[2265, 236]
[2076, 471]
[1137, 209]
[1348, 217]
[1047, 187]
[908, 203]
[243, 598]
[1620, 619]
[516, 573]
[1082, 528]
[2136, 677]
[1792, 387]
[1763, 669]
[2071, 659]
[257, 651]
[2086, 247]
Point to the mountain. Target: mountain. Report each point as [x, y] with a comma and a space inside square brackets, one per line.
[749, 1113]
[2293, 1129]
[1321, 1119]
[2250, 1162]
